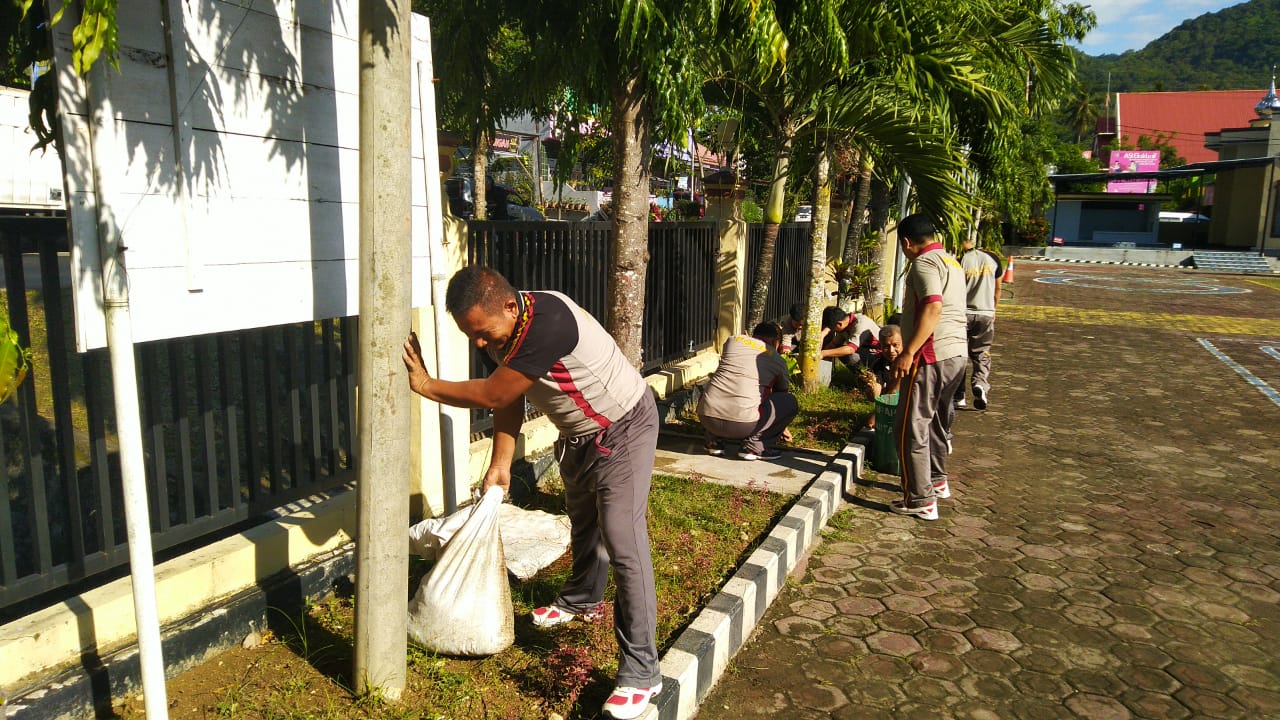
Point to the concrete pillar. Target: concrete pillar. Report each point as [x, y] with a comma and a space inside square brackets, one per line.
[382, 562]
[430, 495]
[426, 490]
[731, 266]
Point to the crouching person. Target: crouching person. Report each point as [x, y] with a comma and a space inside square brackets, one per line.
[553, 352]
[749, 396]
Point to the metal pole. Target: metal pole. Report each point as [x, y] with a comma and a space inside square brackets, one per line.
[899, 259]
[382, 489]
[124, 383]
[537, 162]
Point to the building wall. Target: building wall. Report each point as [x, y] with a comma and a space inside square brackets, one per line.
[1240, 207]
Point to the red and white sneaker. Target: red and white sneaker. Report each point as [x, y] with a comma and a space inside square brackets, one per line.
[924, 512]
[942, 490]
[628, 702]
[551, 616]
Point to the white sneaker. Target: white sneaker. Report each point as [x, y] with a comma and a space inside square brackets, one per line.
[628, 702]
[551, 616]
[980, 398]
[943, 491]
[924, 512]
[961, 404]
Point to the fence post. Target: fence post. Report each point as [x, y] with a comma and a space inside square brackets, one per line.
[731, 265]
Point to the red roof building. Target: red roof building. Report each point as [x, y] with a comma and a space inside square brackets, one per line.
[1185, 116]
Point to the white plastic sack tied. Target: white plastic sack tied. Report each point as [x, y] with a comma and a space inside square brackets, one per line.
[463, 606]
[531, 539]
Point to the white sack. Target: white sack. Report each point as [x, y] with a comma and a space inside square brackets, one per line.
[531, 539]
[463, 606]
[429, 537]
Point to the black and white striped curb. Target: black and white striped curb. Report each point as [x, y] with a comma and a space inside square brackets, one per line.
[700, 655]
[1039, 258]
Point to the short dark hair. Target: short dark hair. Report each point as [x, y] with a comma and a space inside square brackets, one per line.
[832, 315]
[767, 330]
[917, 228]
[477, 285]
[797, 312]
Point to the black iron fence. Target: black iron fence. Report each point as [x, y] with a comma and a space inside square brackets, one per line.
[234, 424]
[573, 258]
[790, 266]
[237, 424]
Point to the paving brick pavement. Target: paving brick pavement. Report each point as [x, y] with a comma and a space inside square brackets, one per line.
[1112, 549]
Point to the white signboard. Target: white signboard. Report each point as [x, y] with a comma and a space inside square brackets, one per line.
[231, 165]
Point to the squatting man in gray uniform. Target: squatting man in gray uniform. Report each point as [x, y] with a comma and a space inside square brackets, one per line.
[552, 351]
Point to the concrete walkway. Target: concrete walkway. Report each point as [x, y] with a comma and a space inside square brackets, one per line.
[684, 455]
[1113, 546]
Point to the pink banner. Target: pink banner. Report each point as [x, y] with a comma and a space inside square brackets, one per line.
[1127, 161]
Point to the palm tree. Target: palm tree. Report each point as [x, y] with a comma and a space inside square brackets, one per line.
[639, 58]
[784, 99]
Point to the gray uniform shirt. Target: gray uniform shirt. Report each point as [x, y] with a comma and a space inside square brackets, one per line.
[749, 370]
[936, 276]
[980, 280]
[583, 382]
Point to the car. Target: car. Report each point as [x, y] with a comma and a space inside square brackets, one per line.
[804, 213]
[1167, 216]
[502, 202]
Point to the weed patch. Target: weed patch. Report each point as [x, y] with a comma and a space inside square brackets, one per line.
[700, 532]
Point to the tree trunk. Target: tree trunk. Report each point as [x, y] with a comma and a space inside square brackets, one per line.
[772, 219]
[480, 176]
[853, 234]
[630, 241]
[879, 207]
[977, 223]
[811, 347]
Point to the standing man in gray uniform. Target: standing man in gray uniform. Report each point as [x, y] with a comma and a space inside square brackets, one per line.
[749, 396]
[553, 352]
[982, 277]
[930, 367]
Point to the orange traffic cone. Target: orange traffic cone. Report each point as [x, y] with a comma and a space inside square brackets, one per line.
[1008, 272]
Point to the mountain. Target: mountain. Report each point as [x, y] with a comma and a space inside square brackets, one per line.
[1232, 49]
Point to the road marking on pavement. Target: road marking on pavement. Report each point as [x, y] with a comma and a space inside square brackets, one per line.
[1271, 351]
[1135, 284]
[1214, 324]
[1243, 372]
[1273, 283]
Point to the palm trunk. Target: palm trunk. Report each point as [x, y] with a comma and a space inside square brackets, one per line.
[630, 241]
[811, 347]
[879, 207]
[772, 219]
[480, 176]
[852, 256]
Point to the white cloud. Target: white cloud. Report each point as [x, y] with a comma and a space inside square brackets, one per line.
[1131, 24]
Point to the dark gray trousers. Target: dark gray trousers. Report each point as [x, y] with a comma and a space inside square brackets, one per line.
[921, 426]
[982, 333]
[775, 414]
[606, 487]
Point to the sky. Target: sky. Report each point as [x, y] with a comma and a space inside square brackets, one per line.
[1131, 24]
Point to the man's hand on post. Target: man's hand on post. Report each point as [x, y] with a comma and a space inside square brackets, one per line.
[419, 378]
